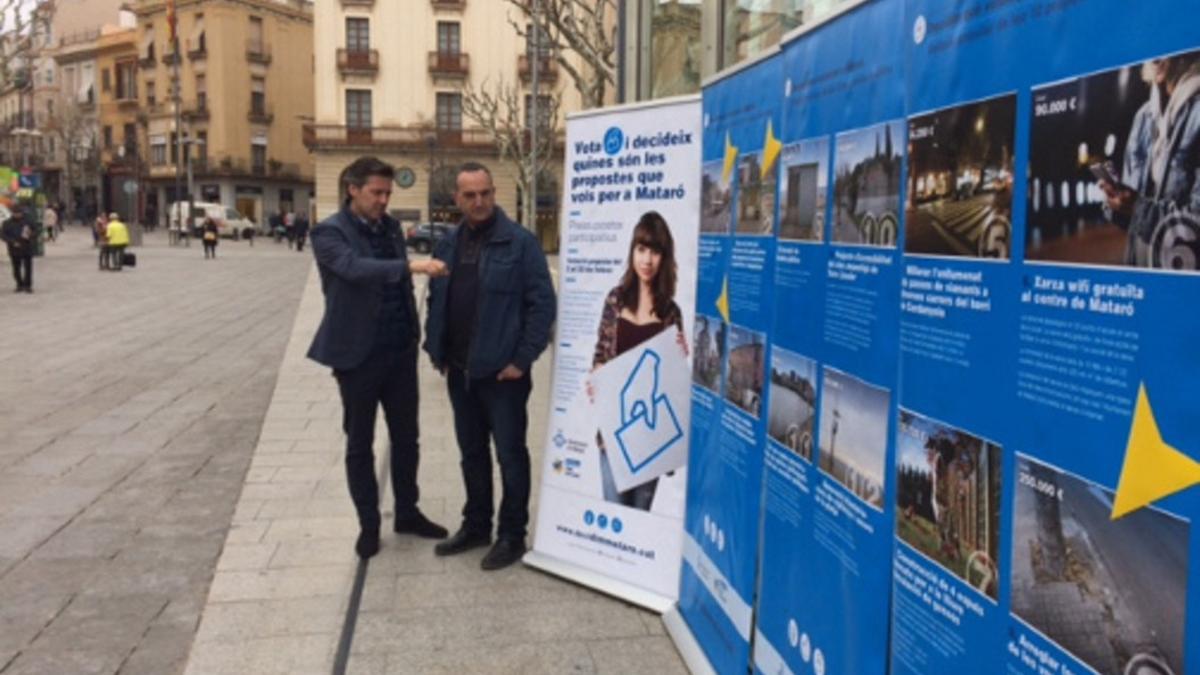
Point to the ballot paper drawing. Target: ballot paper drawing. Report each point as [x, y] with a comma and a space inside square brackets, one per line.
[649, 425]
[642, 406]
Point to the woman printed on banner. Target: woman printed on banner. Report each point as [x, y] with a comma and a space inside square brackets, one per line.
[640, 307]
[1159, 173]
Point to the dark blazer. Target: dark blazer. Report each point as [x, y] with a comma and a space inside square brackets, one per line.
[353, 283]
[515, 307]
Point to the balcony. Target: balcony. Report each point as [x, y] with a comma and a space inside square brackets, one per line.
[398, 138]
[198, 112]
[169, 59]
[547, 69]
[258, 52]
[446, 64]
[127, 101]
[197, 49]
[146, 61]
[358, 3]
[260, 114]
[449, 5]
[358, 61]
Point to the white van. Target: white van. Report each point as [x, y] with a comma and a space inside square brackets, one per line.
[229, 222]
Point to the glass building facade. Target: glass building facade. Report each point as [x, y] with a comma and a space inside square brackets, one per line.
[668, 47]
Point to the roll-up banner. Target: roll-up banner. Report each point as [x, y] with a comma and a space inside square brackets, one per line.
[1047, 433]
[734, 317]
[613, 489]
[828, 503]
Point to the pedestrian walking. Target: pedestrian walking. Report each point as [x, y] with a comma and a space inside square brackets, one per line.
[50, 222]
[117, 235]
[211, 238]
[18, 235]
[300, 231]
[368, 335]
[289, 227]
[100, 237]
[488, 321]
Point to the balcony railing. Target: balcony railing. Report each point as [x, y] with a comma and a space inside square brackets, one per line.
[169, 59]
[358, 61]
[449, 64]
[261, 114]
[126, 101]
[257, 52]
[197, 112]
[547, 68]
[358, 3]
[197, 50]
[146, 61]
[414, 138]
[449, 5]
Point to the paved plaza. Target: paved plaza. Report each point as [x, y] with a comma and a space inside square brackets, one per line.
[172, 496]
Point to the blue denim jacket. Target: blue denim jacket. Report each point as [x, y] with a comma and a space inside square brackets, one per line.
[515, 307]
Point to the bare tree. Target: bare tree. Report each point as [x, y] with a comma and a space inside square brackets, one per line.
[587, 28]
[499, 111]
[24, 30]
[77, 129]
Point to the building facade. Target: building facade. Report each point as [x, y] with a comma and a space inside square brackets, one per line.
[245, 77]
[390, 81]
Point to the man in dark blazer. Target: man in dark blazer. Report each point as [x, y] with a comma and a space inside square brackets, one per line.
[368, 336]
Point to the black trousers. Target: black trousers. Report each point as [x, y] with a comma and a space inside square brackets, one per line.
[22, 269]
[486, 410]
[210, 249]
[387, 378]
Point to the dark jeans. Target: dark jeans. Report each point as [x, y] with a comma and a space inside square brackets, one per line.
[22, 268]
[104, 253]
[486, 410]
[300, 242]
[388, 378]
[116, 257]
[210, 249]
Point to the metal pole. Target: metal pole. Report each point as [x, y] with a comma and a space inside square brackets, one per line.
[535, 121]
[178, 100]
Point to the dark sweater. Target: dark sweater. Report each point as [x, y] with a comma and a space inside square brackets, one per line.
[464, 291]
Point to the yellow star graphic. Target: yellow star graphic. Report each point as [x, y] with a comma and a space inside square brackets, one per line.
[771, 149]
[1152, 469]
[723, 300]
[731, 153]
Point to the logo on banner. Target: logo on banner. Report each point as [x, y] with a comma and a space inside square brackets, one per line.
[614, 140]
[649, 425]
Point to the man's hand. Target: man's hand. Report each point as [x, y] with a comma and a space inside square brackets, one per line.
[431, 267]
[1119, 197]
[510, 372]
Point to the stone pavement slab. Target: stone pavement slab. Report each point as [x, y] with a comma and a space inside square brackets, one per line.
[129, 408]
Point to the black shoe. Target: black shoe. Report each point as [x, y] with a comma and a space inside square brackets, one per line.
[463, 540]
[506, 552]
[29, 289]
[368, 543]
[420, 526]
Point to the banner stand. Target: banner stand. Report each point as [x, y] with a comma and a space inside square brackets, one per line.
[693, 656]
[596, 581]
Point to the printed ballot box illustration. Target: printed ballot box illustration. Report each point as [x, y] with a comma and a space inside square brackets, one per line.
[642, 405]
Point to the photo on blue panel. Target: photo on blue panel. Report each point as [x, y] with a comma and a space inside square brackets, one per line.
[960, 173]
[804, 167]
[793, 401]
[1102, 190]
[866, 186]
[853, 434]
[744, 369]
[948, 498]
[708, 335]
[716, 199]
[756, 196]
[1111, 592]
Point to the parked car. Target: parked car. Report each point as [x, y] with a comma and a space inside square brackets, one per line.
[230, 223]
[422, 237]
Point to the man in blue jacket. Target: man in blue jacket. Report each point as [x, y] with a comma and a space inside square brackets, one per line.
[487, 323]
[368, 336]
